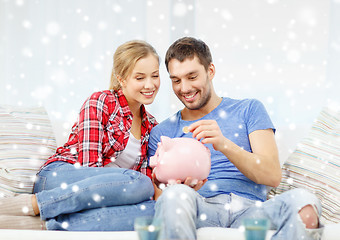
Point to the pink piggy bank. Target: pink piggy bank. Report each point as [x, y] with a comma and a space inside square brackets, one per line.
[179, 158]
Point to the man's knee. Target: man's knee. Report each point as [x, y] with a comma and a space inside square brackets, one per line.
[300, 198]
[307, 204]
[177, 201]
[179, 193]
[309, 216]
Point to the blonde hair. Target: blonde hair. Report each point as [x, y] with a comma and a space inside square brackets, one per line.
[125, 58]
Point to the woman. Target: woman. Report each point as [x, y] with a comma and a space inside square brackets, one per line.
[88, 184]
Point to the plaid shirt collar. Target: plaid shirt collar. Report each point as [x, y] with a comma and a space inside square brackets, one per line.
[125, 109]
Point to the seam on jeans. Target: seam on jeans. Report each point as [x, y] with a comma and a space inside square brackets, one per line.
[245, 202]
[105, 211]
[41, 185]
[66, 196]
[208, 221]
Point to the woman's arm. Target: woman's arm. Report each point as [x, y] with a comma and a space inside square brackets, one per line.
[92, 119]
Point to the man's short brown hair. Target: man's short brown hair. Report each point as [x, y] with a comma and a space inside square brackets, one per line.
[189, 47]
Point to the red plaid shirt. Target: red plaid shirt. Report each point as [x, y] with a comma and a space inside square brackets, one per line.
[102, 133]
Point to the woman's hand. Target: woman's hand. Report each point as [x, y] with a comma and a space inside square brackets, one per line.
[157, 190]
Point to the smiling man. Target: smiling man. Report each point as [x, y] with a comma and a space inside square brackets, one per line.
[244, 157]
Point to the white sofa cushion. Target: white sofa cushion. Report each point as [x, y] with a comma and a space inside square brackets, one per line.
[315, 165]
[26, 141]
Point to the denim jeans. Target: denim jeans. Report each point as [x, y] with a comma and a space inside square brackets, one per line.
[100, 199]
[183, 210]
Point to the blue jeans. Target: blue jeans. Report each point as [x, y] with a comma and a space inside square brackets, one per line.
[99, 199]
[183, 210]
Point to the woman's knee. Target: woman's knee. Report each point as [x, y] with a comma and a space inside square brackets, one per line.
[140, 183]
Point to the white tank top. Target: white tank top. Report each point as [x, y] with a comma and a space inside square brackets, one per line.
[129, 156]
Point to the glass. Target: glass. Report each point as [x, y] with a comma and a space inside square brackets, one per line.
[256, 228]
[148, 228]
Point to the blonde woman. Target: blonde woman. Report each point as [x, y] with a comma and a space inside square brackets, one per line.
[99, 180]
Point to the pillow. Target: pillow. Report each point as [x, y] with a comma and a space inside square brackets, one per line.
[315, 165]
[26, 141]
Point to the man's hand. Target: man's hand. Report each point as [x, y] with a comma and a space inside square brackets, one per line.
[209, 132]
[193, 183]
[261, 165]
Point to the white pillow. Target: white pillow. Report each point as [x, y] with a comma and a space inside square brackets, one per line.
[315, 165]
[26, 141]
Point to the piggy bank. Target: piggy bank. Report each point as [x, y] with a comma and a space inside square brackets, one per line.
[179, 158]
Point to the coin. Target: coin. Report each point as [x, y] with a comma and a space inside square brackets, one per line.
[185, 129]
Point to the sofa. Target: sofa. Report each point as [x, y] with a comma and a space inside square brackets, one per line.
[28, 138]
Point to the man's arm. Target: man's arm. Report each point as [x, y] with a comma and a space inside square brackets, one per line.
[261, 166]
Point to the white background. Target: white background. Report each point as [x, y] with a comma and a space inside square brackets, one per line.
[286, 53]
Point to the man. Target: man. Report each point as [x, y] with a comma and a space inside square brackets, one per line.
[244, 157]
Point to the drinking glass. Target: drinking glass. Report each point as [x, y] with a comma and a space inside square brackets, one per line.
[256, 228]
[148, 228]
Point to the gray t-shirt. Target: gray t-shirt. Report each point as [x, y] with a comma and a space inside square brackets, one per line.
[236, 119]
